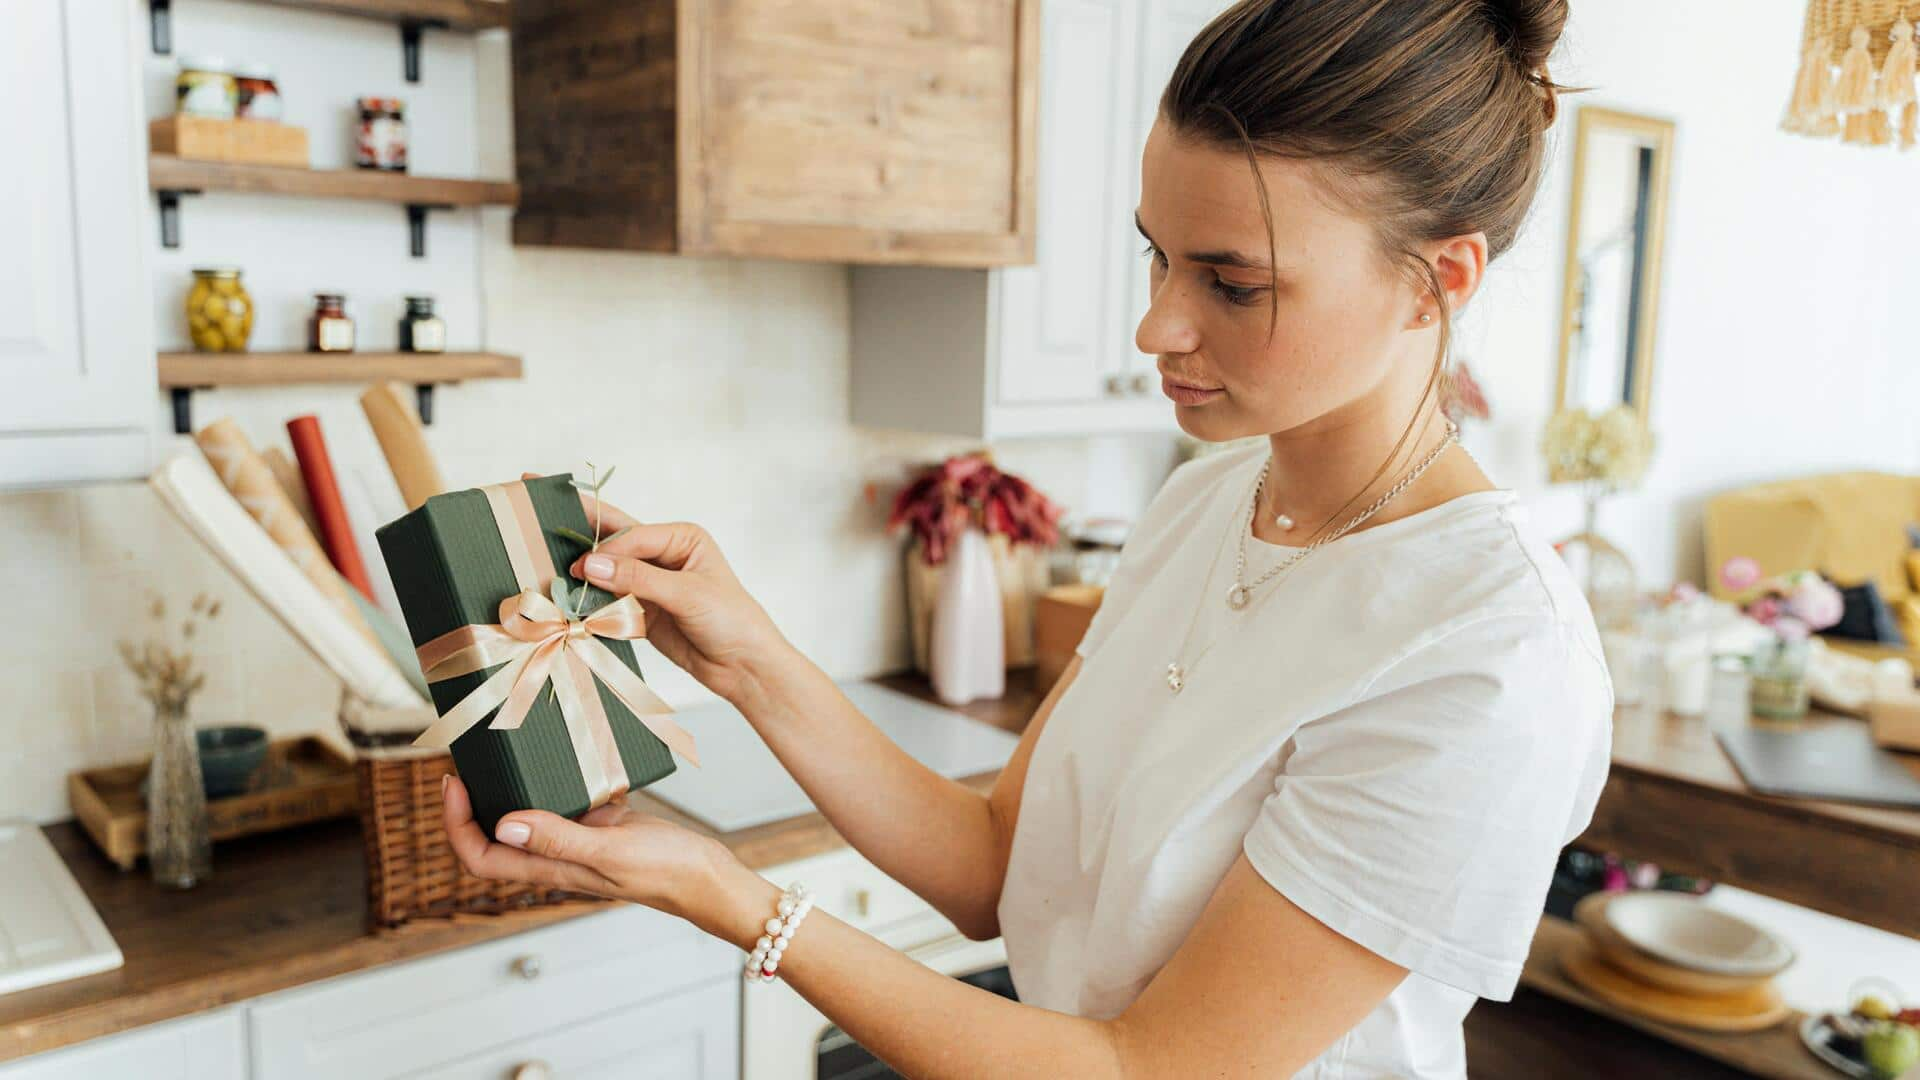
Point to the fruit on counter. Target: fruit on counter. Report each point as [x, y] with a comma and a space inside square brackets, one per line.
[1874, 1007]
[1909, 1016]
[1890, 1049]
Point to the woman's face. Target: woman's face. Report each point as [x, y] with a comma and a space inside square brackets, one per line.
[1344, 323]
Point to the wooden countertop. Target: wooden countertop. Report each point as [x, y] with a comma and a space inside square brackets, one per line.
[288, 908]
[1675, 799]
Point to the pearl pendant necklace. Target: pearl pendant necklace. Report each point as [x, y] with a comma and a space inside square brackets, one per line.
[1240, 595]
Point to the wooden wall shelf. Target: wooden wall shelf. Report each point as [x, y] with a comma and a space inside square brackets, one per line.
[171, 177]
[183, 373]
[411, 16]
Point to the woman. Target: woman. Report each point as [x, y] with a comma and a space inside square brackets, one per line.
[1294, 806]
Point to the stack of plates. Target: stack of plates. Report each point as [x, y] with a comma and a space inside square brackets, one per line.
[1670, 957]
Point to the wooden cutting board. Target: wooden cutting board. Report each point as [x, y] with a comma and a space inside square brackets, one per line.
[1751, 1009]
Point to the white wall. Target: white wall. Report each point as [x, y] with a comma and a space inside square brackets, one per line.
[1785, 339]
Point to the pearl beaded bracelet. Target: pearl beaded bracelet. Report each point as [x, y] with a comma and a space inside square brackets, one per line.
[793, 907]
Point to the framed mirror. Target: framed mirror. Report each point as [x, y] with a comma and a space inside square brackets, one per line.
[1610, 302]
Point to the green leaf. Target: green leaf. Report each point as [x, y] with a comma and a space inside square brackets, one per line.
[584, 486]
[617, 535]
[578, 538]
[558, 590]
[600, 480]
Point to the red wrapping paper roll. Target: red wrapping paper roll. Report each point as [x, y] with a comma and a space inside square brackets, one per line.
[336, 530]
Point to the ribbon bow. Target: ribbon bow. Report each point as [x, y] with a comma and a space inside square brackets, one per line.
[537, 643]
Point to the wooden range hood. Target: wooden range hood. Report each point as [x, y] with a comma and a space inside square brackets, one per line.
[862, 131]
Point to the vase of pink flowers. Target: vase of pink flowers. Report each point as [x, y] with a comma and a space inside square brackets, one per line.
[1795, 606]
[940, 505]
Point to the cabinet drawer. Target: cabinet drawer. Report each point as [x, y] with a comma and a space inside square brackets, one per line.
[687, 1035]
[858, 893]
[211, 1046]
[447, 1008]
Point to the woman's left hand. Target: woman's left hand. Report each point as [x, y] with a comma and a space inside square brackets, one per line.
[613, 851]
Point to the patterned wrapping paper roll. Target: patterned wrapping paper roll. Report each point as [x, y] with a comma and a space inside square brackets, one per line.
[252, 483]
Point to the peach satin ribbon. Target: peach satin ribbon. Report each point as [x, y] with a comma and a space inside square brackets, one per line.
[537, 643]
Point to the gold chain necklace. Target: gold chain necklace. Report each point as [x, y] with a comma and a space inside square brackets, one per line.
[1240, 596]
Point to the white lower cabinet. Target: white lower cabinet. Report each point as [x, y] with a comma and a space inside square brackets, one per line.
[627, 992]
[210, 1046]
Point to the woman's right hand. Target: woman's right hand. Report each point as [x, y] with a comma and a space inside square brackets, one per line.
[697, 613]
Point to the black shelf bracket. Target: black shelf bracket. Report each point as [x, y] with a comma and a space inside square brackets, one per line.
[410, 44]
[182, 409]
[423, 399]
[160, 22]
[417, 226]
[170, 214]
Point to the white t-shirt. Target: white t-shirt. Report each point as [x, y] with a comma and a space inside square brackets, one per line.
[1401, 733]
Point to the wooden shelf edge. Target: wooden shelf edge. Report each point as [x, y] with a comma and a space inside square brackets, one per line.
[1775, 1053]
[168, 173]
[450, 14]
[189, 370]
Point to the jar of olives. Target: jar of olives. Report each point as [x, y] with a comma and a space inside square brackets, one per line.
[219, 311]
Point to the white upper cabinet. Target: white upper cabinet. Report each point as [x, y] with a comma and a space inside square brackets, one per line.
[76, 352]
[1045, 349]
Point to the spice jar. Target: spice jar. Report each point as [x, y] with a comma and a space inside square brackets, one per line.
[204, 88]
[381, 142]
[421, 331]
[219, 311]
[259, 94]
[329, 329]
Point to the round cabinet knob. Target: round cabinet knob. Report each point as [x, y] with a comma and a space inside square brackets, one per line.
[528, 968]
[533, 1070]
[1142, 383]
[1116, 385]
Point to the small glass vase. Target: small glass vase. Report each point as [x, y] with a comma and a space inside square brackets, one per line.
[179, 851]
[1779, 687]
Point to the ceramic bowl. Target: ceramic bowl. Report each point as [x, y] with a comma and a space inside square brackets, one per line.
[228, 757]
[1684, 930]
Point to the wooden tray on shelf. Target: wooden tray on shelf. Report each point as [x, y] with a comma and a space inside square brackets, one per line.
[303, 779]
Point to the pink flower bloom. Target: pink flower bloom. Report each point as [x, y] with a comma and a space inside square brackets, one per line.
[1739, 573]
[1816, 603]
[1790, 628]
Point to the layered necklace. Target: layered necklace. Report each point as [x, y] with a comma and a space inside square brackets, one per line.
[1241, 595]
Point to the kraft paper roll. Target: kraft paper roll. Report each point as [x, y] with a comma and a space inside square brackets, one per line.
[403, 442]
[251, 481]
[291, 483]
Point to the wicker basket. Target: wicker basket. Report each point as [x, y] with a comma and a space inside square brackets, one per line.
[411, 869]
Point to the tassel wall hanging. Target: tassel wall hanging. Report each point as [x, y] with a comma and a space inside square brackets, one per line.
[1856, 80]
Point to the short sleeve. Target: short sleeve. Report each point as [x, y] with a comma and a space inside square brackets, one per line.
[1424, 821]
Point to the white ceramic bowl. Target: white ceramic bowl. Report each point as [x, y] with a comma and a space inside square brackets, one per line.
[1685, 931]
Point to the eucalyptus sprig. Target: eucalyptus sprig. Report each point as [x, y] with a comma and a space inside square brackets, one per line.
[571, 600]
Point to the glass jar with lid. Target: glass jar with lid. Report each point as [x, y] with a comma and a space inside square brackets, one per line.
[329, 328]
[259, 93]
[205, 87]
[421, 331]
[219, 311]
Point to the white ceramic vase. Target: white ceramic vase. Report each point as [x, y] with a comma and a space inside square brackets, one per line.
[967, 650]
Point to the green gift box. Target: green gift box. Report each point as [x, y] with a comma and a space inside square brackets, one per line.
[452, 567]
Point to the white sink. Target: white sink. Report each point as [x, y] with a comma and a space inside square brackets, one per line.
[48, 930]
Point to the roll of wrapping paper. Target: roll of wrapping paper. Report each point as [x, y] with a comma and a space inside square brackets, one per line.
[323, 491]
[285, 471]
[397, 427]
[251, 481]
